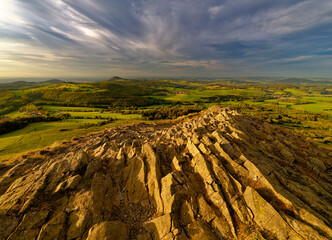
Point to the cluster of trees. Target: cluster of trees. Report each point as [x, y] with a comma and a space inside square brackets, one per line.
[30, 108]
[102, 123]
[98, 98]
[169, 113]
[88, 117]
[18, 123]
[295, 101]
[6, 110]
[101, 94]
[226, 98]
[10, 102]
[125, 89]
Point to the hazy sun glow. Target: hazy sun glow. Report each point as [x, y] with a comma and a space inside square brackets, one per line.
[8, 13]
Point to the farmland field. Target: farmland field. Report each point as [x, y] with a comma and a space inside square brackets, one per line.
[88, 107]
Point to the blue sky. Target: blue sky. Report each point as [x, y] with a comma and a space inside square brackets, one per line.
[210, 38]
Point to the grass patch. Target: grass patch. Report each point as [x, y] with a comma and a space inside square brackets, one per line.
[104, 115]
[62, 108]
[42, 134]
[314, 107]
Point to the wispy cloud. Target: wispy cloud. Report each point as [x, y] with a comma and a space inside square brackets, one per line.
[145, 37]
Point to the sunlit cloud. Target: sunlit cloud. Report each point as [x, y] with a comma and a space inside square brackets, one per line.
[150, 38]
[215, 10]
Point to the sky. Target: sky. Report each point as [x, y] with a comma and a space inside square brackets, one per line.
[165, 38]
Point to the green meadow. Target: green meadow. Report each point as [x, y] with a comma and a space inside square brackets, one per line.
[86, 107]
[42, 134]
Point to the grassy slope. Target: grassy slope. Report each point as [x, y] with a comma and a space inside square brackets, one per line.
[318, 104]
[314, 107]
[105, 114]
[39, 135]
[197, 94]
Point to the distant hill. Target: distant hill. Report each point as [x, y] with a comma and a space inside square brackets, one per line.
[303, 81]
[54, 81]
[26, 84]
[17, 84]
[114, 78]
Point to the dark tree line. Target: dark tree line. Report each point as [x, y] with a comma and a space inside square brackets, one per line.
[168, 113]
[19, 123]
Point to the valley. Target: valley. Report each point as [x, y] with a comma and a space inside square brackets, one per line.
[81, 108]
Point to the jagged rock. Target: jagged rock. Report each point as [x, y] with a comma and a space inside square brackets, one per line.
[200, 230]
[29, 226]
[167, 192]
[267, 218]
[221, 175]
[54, 228]
[153, 177]
[159, 227]
[78, 222]
[255, 236]
[69, 183]
[8, 224]
[136, 190]
[110, 230]
[317, 163]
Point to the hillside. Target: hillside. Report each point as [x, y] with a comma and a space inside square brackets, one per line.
[303, 81]
[26, 84]
[219, 175]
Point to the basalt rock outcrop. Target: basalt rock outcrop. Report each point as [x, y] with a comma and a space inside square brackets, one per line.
[219, 175]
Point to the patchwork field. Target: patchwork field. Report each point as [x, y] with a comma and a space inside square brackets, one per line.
[88, 107]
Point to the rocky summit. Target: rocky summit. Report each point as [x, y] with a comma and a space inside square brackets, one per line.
[217, 175]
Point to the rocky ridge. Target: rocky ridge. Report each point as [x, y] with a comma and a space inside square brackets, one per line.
[220, 175]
